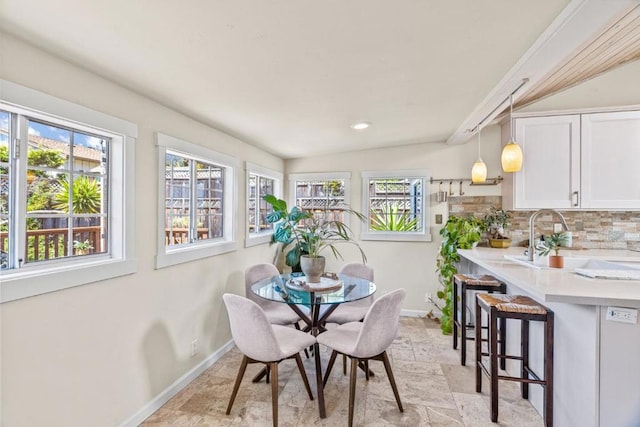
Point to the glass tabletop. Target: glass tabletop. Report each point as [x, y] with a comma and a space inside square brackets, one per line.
[283, 288]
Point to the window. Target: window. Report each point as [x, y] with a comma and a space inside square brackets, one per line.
[260, 181]
[62, 194]
[326, 195]
[195, 214]
[395, 205]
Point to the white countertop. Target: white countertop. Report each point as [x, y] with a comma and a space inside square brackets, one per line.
[561, 285]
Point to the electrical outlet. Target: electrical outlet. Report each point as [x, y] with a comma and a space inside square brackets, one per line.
[557, 228]
[621, 314]
[194, 347]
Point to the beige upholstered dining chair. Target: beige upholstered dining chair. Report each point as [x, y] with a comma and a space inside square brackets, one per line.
[367, 340]
[356, 310]
[262, 342]
[277, 313]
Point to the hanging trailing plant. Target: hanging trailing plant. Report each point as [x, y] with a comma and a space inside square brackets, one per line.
[458, 233]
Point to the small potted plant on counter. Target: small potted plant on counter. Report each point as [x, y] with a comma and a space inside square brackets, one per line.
[495, 224]
[553, 243]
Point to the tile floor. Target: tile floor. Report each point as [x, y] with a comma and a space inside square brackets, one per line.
[434, 388]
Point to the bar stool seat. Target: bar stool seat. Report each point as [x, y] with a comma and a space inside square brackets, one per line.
[502, 307]
[473, 282]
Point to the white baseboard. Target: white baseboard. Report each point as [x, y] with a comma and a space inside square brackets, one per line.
[157, 402]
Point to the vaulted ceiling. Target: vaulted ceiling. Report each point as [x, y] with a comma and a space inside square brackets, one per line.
[292, 76]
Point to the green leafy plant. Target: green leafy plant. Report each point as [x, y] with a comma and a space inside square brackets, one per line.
[391, 219]
[552, 243]
[305, 235]
[85, 195]
[496, 223]
[82, 247]
[458, 233]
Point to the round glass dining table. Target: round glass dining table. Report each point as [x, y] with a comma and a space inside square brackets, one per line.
[313, 303]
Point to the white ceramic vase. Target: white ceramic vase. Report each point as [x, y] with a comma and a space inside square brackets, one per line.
[312, 267]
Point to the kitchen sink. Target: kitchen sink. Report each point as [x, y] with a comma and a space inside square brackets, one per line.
[577, 262]
[570, 262]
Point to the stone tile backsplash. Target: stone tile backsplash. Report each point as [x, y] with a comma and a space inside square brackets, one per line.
[590, 229]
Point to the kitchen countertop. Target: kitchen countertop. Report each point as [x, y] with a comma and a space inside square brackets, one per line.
[560, 285]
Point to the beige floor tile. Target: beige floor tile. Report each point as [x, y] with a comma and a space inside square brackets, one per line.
[435, 391]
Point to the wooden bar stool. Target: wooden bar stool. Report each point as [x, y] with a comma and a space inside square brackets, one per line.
[514, 307]
[470, 282]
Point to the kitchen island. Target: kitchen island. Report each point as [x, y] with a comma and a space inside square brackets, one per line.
[596, 361]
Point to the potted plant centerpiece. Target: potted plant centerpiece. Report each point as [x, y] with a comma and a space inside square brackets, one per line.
[305, 238]
[553, 243]
[495, 224]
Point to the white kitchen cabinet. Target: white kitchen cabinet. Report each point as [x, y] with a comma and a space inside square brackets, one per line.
[611, 160]
[587, 161]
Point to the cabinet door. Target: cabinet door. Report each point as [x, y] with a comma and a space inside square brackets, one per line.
[550, 174]
[611, 160]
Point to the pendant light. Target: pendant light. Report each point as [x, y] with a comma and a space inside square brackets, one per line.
[511, 153]
[479, 169]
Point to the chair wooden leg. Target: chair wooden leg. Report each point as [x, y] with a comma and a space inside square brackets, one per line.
[332, 360]
[274, 392]
[352, 389]
[548, 371]
[344, 364]
[463, 325]
[268, 374]
[305, 380]
[524, 352]
[236, 386]
[455, 316]
[503, 343]
[478, 343]
[392, 380]
[493, 359]
[366, 369]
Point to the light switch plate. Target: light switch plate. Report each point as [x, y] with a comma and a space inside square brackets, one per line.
[621, 314]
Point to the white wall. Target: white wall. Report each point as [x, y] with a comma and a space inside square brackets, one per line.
[410, 265]
[94, 355]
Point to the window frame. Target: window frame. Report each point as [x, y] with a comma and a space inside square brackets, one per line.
[168, 256]
[68, 272]
[400, 236]
[253, 239]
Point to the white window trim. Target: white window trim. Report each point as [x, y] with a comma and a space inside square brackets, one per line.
[403, 236]
[253, 239]
[66, 273]
[168, 256]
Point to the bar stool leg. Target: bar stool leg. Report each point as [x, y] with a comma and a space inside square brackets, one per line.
[524, 351]
[478, 342]
[548, 371]
[463, 325]
[493, 357]
[455, 315]
[503, 343]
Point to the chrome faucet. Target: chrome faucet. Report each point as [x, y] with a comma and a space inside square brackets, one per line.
[532, 234]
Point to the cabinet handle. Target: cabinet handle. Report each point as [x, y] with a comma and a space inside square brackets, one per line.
[576, 194]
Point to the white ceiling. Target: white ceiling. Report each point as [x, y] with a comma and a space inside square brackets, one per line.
[291, 76]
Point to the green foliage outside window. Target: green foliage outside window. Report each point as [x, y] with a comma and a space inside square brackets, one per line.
[392, 219]
[85, 196]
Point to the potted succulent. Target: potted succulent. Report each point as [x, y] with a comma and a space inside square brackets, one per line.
[553, 243]
[495, 224]
[305, 238]
[82, 248]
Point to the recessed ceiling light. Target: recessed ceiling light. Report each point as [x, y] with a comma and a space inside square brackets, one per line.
[360, 125]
